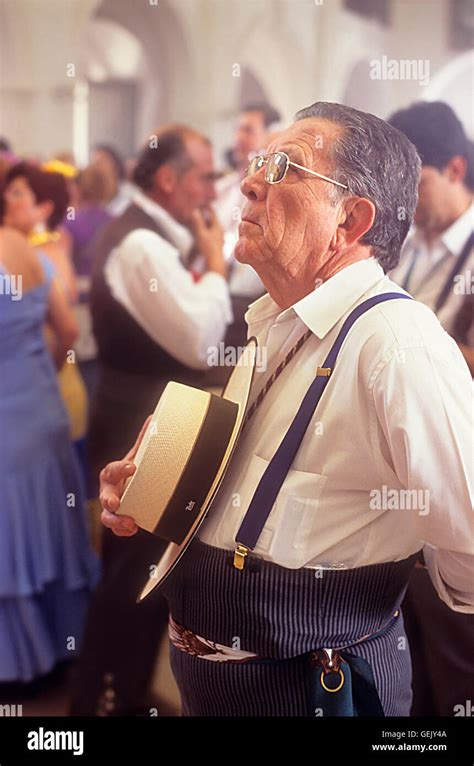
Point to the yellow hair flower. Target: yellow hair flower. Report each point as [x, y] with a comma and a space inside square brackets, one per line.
[39, 238]
[58, 166]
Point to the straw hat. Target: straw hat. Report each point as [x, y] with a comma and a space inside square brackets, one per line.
[182, 460]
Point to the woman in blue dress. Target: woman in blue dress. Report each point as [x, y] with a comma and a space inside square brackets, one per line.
[47, 566]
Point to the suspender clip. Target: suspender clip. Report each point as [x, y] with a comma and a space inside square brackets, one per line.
[323, 372]
[240, 555]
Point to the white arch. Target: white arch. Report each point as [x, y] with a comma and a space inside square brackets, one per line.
[453, 83]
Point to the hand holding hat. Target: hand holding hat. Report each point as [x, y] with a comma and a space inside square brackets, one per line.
[180, 458]
[112, 484]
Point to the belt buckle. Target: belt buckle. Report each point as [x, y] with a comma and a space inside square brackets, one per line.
[330, 664]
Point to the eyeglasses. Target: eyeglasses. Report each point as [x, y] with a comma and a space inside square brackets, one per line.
[277, 165]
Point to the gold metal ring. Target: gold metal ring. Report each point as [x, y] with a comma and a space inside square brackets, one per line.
[326, 688]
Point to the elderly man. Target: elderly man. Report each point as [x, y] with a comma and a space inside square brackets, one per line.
[296, 579]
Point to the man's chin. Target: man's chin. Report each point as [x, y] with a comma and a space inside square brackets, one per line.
[424, 223]
[422, 218]
[242, 250]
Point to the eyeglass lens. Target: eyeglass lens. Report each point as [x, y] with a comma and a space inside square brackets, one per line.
[276, 167]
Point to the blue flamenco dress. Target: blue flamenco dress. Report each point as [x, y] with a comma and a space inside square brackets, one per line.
[48, 569]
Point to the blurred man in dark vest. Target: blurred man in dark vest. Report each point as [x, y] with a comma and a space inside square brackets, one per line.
[154, 322]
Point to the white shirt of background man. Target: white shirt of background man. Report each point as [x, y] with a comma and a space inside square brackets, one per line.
[433, 266]
[146, 274]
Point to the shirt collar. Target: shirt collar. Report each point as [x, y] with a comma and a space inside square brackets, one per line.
[178, 235]
[455, 237]
[321, 309]
[452, 240]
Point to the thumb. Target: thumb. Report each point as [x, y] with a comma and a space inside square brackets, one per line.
[213, 220]
[131, 454]
[197, 218]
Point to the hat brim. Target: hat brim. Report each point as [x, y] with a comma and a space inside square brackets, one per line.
[237, 390]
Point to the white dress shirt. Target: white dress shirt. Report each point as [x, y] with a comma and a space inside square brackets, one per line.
[146, 275]
[396, 415]
[433, 265]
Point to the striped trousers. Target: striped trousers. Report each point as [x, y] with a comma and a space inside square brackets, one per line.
[282, 615]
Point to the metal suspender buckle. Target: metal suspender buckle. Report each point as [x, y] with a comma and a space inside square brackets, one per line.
[323, 372]
[240, 555]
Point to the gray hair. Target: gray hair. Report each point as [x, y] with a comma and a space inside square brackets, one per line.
[378, 162]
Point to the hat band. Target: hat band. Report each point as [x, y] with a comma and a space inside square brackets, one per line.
[199, 473]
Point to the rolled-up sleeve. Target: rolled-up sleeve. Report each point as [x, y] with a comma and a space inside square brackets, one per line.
[423, 401]
[185, 317]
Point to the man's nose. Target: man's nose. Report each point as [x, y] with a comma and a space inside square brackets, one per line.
[254, 186]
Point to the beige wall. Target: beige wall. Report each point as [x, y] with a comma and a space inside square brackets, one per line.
[299, 50]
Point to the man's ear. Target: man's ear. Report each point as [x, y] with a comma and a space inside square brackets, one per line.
[358, 217]
[455, 170]
[165, 178]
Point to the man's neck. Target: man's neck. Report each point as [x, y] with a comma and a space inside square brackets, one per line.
[287, 291]
[156, 199]
[431, 235]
